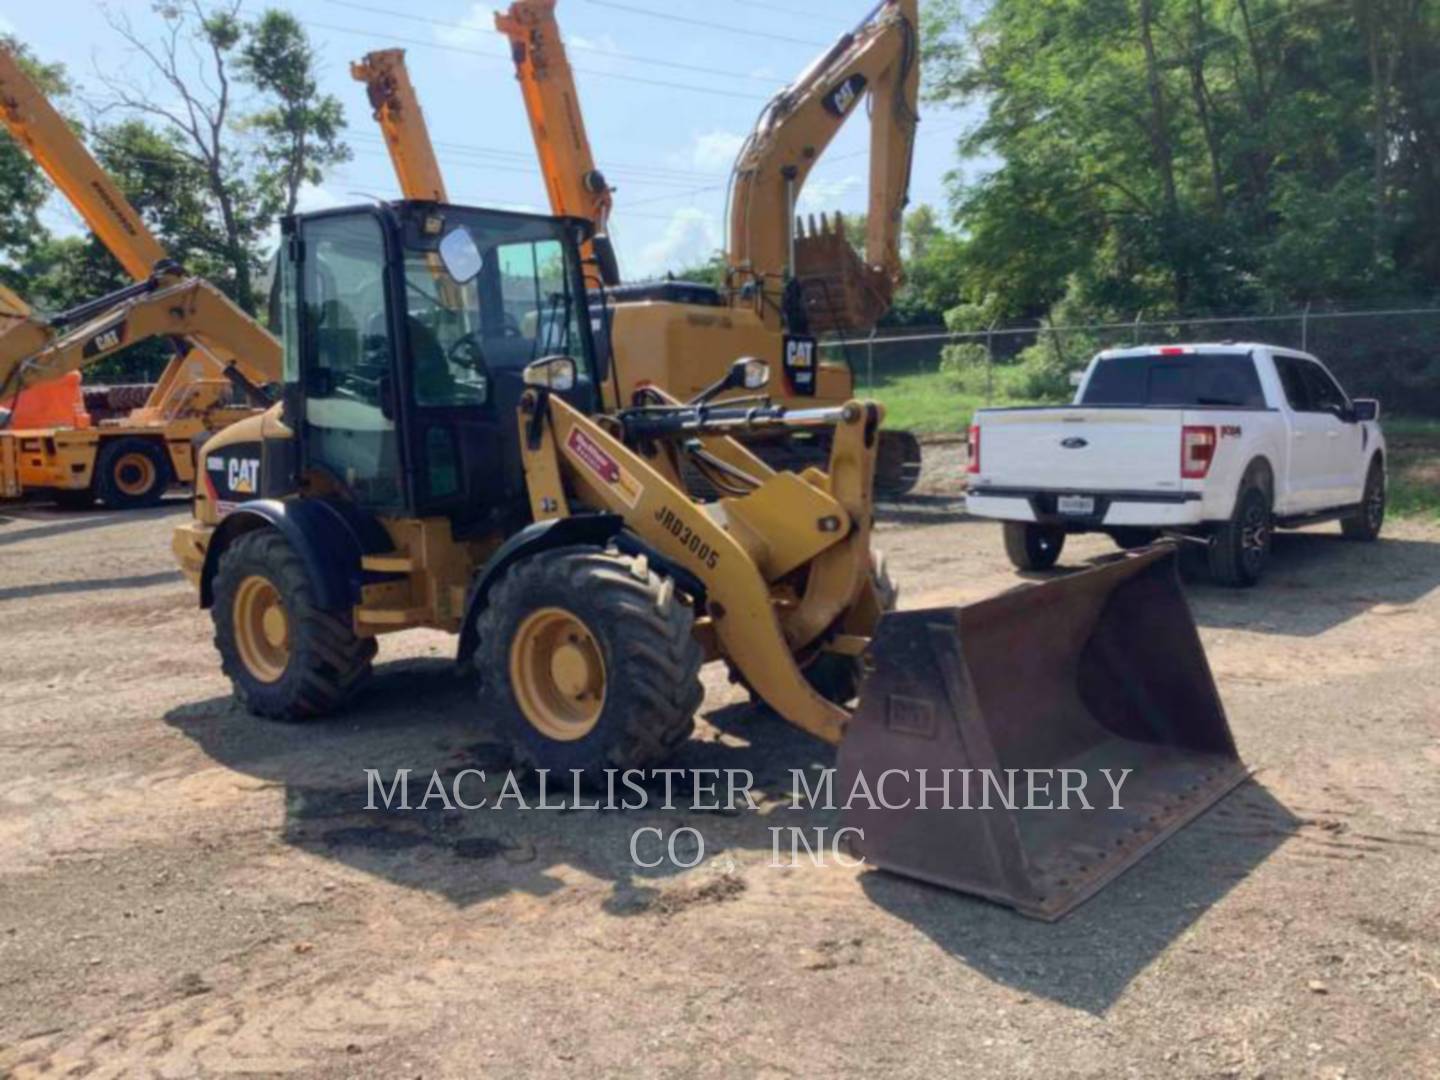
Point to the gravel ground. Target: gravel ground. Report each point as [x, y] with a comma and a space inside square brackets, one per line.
[185, 890]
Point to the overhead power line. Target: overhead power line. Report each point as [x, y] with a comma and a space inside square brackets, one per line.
[569, 44]
[418, 43]
[651, 13]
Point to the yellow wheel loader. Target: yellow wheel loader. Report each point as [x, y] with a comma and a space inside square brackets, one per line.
[441, 459]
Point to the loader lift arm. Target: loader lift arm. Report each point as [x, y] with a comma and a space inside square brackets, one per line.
[223, 342]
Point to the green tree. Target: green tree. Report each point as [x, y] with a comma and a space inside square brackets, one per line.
[202, 56]
[301, 130]
[23, 187]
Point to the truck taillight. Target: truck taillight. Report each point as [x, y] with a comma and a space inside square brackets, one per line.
[974, 447]
[1197, 452]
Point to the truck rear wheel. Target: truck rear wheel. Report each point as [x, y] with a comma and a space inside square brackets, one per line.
[588, 661]
[286, 659]
[1240, 548]
[1365, 525]
[131, 474]
[1033, 547]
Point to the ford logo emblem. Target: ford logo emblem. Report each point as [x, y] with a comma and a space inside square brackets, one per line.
[1075, 444]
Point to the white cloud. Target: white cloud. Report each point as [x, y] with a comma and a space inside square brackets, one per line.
[475, 31]
[8, 27]
[312, 197]
[712, 152]
[827, 194]
[690, 237]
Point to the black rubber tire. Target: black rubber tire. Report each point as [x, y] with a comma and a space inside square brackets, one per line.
[898, 464]
[644, 628]
[837, 678]
[1240, 548]
[1133, 539]
[82, 499]
[1033, 547]
[107, 484]
[328, 662]
[1365, 526]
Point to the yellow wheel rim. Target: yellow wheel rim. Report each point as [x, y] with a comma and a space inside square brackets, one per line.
[134, 473]
[262, 629]
[558, 674]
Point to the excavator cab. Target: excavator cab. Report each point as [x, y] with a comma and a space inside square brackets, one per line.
[414, 326]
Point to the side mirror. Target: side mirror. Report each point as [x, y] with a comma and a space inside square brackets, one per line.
[1365, 410]
[461, 257]
[744, 374]
[749, 373]
[552, 373]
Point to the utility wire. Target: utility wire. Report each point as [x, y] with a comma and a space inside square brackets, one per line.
[569, 44]
[651, 13]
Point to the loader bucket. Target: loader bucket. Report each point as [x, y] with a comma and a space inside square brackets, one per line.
[1101, 670]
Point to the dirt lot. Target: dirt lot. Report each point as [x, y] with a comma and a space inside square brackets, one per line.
[185, 890]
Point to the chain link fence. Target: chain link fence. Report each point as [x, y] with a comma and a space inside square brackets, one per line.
[1393, 355]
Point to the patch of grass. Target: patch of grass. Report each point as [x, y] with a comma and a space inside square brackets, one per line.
[1415, 477]
[930, 404]
[1410, 427]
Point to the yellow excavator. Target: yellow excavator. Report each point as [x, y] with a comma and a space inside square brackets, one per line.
[444, 457]
[787, 281]
[223, 358]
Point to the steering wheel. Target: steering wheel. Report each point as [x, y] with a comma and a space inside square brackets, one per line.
[467, 352]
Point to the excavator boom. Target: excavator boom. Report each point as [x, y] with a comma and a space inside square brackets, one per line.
[577, 188]
[880, 61]
[397, 111]
[226, 341]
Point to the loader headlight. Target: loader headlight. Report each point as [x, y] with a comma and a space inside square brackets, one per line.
[552, 373]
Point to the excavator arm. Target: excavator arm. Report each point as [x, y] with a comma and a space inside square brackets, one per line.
[577, 188]
[225, 343]
[880, 61]
[163, 306]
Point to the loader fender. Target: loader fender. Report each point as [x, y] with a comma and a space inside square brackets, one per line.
[597, 529]
[330, 538]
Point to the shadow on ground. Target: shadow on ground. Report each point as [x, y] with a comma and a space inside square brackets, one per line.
[17, 525]
[58, 588]
[1087, 960]
[1354, 578]
[420, 715]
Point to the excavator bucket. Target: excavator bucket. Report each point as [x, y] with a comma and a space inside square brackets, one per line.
[1021, 705]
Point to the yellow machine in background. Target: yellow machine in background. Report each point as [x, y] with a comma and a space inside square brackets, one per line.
[786, 284]
[444, 458]
[221, 352]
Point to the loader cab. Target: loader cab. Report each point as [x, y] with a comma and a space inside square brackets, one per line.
[407, 330]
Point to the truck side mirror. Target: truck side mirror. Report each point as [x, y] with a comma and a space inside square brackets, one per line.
[1365, 410]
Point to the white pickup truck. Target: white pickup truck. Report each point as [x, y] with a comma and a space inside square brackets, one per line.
[1220, 442]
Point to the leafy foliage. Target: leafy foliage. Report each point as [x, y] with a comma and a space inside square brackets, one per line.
[1194, 156]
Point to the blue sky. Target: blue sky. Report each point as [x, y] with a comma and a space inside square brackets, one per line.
[666, 102]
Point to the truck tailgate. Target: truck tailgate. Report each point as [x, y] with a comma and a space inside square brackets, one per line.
[1080, 448]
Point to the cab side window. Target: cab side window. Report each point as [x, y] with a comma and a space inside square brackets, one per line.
[1292, 378]
[1325, 394]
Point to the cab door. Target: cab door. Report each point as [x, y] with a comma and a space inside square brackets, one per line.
[1307, 458]
[1344, 450]
[342, 388]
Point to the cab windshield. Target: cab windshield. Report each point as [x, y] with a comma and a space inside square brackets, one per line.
[518, 304]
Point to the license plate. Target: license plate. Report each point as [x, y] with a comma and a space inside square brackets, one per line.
[1076, 505]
